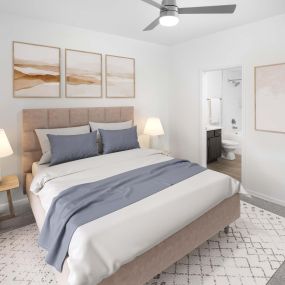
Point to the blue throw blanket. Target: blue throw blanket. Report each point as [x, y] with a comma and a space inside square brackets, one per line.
[84, 203]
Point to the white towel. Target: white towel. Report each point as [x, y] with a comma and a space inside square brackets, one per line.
[215, 111]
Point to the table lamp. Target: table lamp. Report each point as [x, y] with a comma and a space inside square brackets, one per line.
[153, 127]
[5, 147]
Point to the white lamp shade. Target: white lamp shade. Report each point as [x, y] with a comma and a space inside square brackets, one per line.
[5, 147]
[153, 127]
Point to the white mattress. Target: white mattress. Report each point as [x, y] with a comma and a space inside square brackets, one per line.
[36, 167]
[101, 247]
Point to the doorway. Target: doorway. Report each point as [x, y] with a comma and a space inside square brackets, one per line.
[222, 124]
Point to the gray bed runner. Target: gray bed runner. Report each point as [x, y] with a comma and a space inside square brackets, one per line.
[91, 201]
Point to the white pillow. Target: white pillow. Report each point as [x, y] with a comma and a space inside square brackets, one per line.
[44, 141]
[108, 126]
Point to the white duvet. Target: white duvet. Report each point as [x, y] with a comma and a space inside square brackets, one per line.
[101, 247]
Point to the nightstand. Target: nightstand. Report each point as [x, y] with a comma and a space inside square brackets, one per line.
[7, 184]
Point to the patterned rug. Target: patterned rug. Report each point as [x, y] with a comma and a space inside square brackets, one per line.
[250, 254]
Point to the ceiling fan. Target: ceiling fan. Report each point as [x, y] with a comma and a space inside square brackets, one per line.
[169, 12]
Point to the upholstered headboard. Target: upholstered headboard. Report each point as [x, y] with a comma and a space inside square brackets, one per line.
[62, 118]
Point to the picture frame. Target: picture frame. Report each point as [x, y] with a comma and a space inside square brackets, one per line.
[36, 71]
[269, 96]
[83, 74]
[120, 77]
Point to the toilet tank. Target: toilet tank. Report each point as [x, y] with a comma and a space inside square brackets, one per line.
[234, 135]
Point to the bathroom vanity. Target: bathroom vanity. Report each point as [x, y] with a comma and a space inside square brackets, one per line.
[214, 144]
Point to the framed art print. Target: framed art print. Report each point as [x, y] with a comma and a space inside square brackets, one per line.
[270, 98]
[83, 74]
[120, 77]
[36, 71]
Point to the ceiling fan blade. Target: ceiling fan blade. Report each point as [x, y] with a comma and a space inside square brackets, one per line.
[152, 25]
[155, 4]
[221, 9]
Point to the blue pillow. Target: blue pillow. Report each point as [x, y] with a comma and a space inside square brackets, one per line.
[119, 140]
[72, 147]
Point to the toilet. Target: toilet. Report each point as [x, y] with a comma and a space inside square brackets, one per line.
[228, 149]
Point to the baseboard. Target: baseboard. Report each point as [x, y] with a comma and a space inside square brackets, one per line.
[266, 197]
[4, 206]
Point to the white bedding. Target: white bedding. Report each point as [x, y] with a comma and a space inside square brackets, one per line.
[101, 247]
[36, 168]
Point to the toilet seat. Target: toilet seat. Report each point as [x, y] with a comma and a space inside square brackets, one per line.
[229, 143]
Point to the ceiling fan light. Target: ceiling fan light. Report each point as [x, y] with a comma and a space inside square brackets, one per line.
[168, 20]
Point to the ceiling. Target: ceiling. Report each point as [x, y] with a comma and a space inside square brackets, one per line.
[129, 17]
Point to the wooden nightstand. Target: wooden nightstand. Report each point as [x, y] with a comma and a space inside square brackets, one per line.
[7, 184]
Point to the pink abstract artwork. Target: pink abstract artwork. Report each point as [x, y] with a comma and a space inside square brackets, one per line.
[270, 98]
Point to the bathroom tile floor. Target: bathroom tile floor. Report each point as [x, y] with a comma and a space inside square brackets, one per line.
[229, 167]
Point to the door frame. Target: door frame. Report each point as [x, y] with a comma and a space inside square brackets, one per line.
[203, 110]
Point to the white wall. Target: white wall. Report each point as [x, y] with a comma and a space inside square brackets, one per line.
[254, 44]
[214, 84]
[232, 101]
[152, 74]
[212, 90]
[217, 85]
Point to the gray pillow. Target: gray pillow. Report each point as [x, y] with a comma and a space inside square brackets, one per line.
[95, 126]
[44, 142]
[72, 147]
[119, 140]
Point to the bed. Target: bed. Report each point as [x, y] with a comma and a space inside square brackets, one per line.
[179, 241]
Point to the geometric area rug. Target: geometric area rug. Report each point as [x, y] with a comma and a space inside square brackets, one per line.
[249, 255]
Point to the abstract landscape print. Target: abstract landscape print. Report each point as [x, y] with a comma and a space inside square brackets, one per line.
[120, 77]
[83, 72]
[270, 98]
[36, 71]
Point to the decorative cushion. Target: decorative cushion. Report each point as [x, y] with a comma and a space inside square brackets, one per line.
[44, 141]
[108, 126]
[119, 140]
[72, 147]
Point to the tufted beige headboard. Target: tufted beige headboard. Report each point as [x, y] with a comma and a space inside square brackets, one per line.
[62, 118]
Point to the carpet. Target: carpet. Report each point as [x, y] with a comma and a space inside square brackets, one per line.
[250, 254]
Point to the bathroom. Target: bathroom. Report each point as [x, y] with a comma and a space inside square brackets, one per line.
[222, 91]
